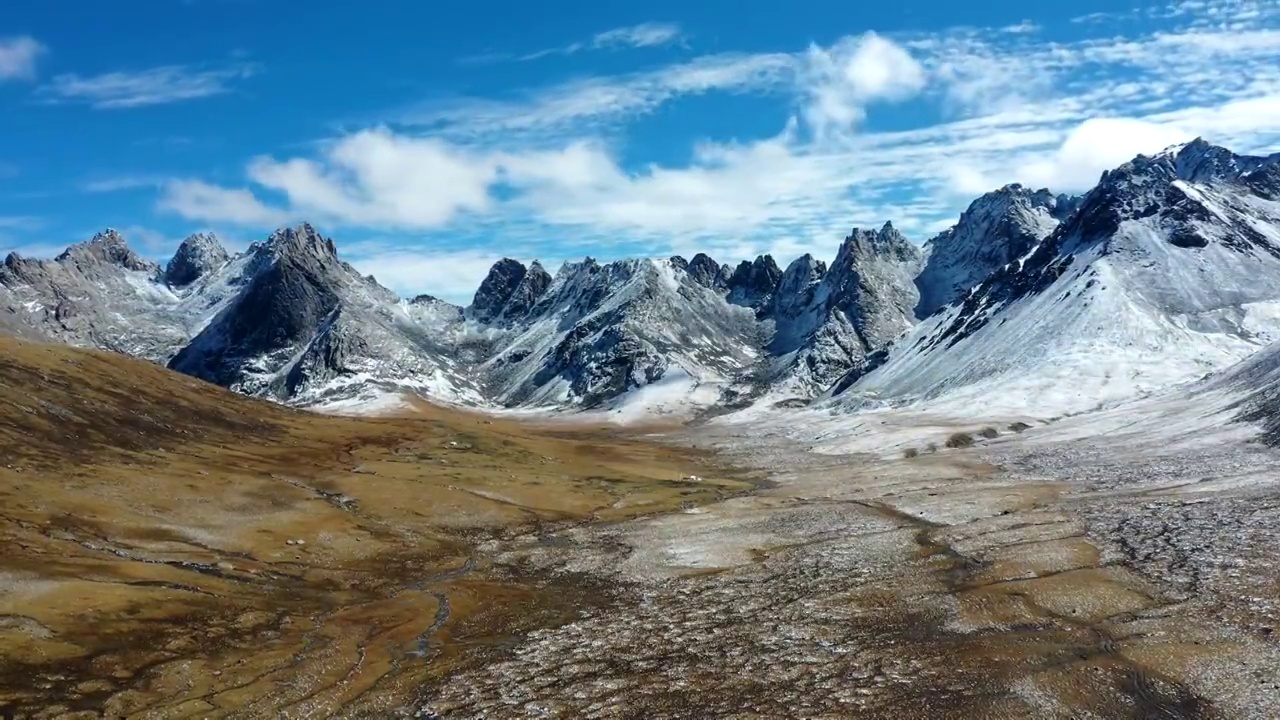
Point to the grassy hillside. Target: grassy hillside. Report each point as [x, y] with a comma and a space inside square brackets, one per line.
[176, 550]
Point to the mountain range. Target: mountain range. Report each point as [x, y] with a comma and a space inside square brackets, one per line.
[1168, 269]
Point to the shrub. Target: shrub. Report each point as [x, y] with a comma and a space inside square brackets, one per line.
[910, 453]
[989, 432]
[960, 440]
[932, 447]
[1019, 427]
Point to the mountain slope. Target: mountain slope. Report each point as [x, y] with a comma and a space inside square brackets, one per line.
[827, 321]
[599, 331]
[1168, 269]
[305, 326]
[996, 229]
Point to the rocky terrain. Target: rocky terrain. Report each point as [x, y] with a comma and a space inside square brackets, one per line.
[1043, 572]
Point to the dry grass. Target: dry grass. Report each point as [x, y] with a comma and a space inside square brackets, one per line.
[149, 522]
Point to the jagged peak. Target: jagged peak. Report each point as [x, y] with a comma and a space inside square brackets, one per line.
[198, 255]
[108, 235]
[886, 237]
[107, 246]
[302, 237]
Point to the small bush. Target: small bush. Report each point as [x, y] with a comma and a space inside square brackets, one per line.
[910, 453]
[960, 440]
[932, 447]
[1019, 427]
[989, 432]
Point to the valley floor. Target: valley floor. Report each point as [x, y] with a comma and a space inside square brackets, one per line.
[1119, 564]
[1068, 571]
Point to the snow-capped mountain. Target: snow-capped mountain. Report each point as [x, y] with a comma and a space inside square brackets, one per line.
[307, 327]
[996, 229]
[827, 322]
[1168, 269]
[98, 293]
[599, 331]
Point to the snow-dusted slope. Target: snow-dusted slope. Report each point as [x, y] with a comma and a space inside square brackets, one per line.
[828, 321]
[996, 229]
[305, 326]
[1169, 269]
[98, 293]
[599, 331]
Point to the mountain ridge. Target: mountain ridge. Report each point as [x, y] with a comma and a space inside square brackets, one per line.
[288, 319]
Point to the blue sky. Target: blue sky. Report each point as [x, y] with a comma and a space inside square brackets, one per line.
[430, 139]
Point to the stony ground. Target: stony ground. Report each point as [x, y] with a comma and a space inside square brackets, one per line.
[1025, 577]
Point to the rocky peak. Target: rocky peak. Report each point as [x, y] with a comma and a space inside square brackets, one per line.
[753, 283]
[303, 240]
[196, 257]
[704, 271]
[996, 229]
[497, 288]
[105, 248]
[796, 288]
[874, 242]
[526, 293]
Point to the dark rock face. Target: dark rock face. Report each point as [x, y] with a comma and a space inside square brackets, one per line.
[292, 294]
[525, 296]
[496, 289]
[196, 257]
[753, 283]
[705, 271]
[829, 320]
[796, 294]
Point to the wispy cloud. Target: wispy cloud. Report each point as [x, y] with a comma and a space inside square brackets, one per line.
[154, 86]
[18, 57]
[19, 222]
[1007, 105]
[642, 35]
[120, 183]
[582, 105]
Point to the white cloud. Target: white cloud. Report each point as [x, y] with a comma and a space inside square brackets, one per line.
[155, 86]
[119, 183]
[643, 35]
[647, 34]
[197, 200]
[1009, 106]
[587, 103]
[375, 178]
[18, 57]
[1096, 145]
[840, 81]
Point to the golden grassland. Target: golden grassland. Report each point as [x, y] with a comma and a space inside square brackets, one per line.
[172, 549]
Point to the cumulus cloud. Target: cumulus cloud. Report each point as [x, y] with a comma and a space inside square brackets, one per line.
[197, 200]
[840, 81]
[1096, 145]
